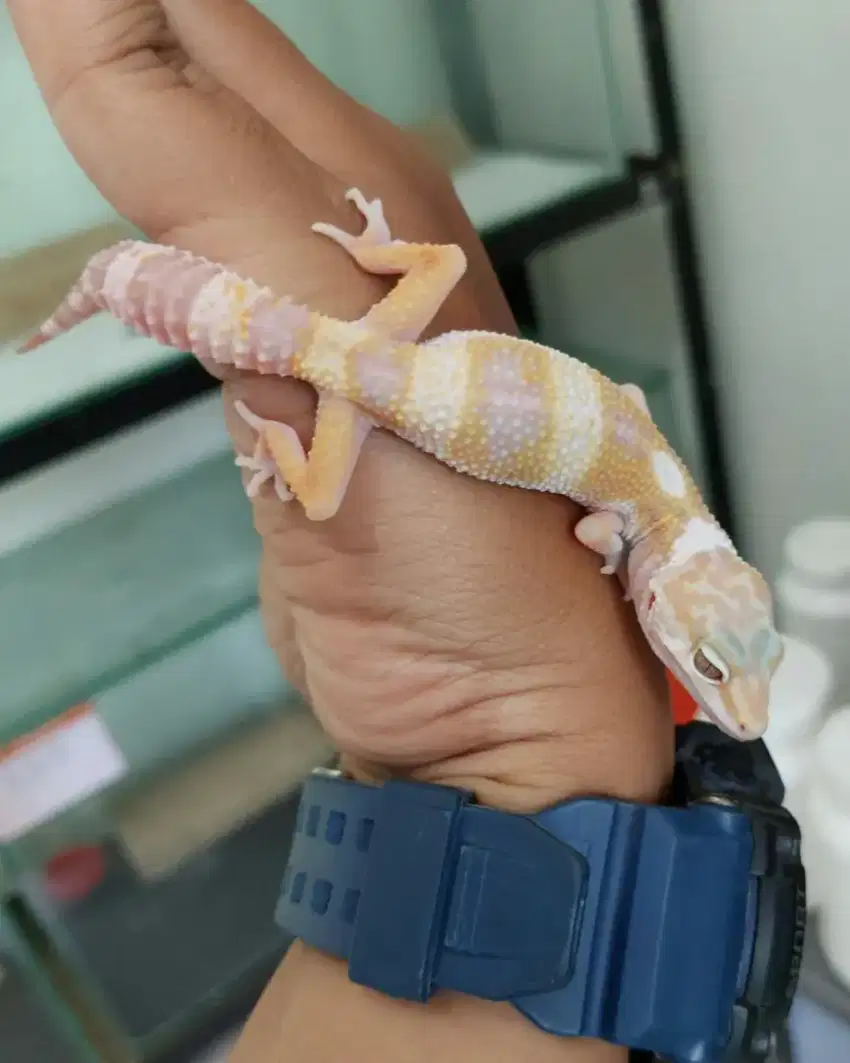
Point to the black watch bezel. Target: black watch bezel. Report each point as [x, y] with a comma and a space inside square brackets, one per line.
[713, 767]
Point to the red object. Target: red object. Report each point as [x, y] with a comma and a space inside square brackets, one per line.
[684, 706]
[72, 875]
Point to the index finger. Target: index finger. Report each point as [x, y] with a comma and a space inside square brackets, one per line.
[63, 41]
[164, 143]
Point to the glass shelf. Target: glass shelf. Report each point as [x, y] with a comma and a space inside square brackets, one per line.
[108, 595]
[99, 356]
[36, 1025]
[199, 699]
[163, 956]
[501, 189]
[156, 897]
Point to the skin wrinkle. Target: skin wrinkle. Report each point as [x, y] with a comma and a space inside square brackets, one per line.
[406, 619]
[508, 703]
[422, 673]
[544, 767]
[120, 58]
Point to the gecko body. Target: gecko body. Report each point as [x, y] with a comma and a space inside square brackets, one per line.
[496, 407]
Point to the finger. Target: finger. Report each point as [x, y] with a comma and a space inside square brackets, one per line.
[130, 36]
[152, 131]
[172, 158]
[63, 41]
[185, 159]
[244, 50]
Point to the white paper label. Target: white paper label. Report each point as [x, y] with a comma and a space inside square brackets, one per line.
[54, 768]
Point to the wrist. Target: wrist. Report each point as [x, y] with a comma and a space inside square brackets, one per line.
[620, 744]
[631, 760]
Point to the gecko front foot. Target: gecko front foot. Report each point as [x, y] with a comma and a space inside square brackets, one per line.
[376, 233]
[261, 462]
[603, 533]
[637, 396]
[264, 471]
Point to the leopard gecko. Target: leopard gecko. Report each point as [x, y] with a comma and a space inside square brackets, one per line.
[496, 407]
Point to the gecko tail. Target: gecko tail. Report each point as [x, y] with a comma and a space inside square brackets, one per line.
[184, 301]
[78, 306]
[83, 301]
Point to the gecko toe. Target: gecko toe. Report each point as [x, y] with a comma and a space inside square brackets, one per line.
[377, 231]
[252, 487]
[281, 489]
[355, 196]
[265, 471]
[333, 232]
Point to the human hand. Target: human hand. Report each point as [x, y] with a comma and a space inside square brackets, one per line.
[439, 626]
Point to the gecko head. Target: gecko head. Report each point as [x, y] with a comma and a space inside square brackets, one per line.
[710, 619]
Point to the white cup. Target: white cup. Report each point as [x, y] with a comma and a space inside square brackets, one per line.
[799, 700]
[813, 593]
[826, 842]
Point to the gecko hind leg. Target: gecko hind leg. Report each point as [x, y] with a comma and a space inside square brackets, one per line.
[340, 428]
[264, 470]
[319, 481]
[427, 272]
[603, 533]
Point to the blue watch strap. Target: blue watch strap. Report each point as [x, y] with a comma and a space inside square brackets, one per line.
[597, 918]
[419, 889]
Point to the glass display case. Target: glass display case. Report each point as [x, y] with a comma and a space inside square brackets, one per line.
[157, 719]
[103, 596]
[157, 891]
[177, 957]
[520, 104]
[149, 630]
[37, 1025]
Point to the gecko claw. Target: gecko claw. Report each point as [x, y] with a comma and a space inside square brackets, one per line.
[249, 417]
[260, 462]
[264, 470]
[376, 233]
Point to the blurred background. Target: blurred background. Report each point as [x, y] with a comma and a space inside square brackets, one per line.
[663, 188]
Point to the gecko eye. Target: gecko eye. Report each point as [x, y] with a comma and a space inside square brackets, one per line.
[710, 665]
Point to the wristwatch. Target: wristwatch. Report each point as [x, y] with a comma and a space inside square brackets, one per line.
[674, 929]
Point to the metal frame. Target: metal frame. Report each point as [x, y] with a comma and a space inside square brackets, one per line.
[510, 247]
[82, 423]
[670, 168]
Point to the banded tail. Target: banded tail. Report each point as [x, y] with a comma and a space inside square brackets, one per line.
[183, 301]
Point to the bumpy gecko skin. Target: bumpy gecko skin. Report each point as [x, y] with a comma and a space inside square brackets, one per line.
[496, 407]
